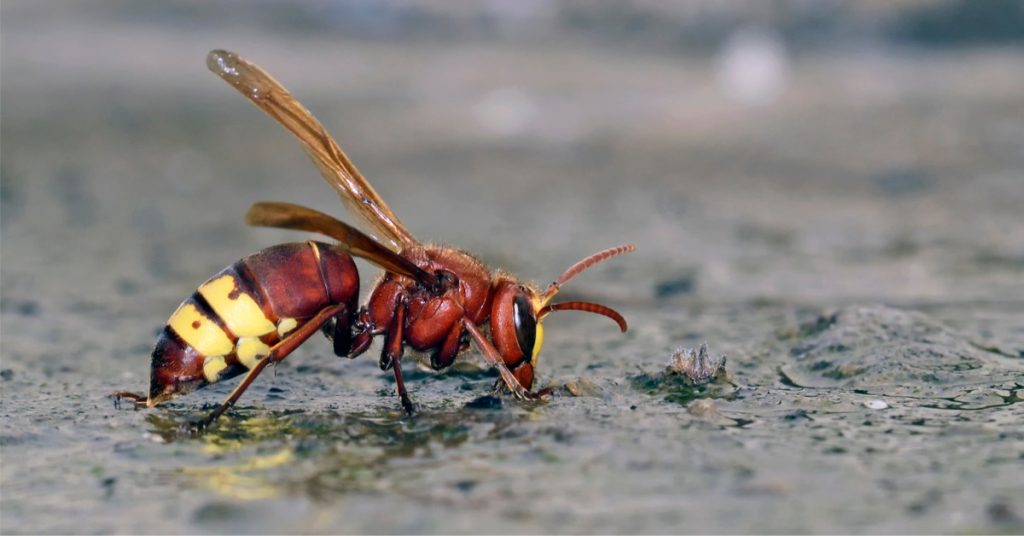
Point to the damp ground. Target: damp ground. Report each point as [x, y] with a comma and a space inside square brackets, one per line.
[855, 249]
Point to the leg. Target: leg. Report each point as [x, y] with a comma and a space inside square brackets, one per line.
[391, 354]
[138, 400]
[545, 393]
[365, 332]
[494, 358]
[360, 343]
[342, 336]
[407, 403]
[277, 353]
[445, 355]
[392, 349]
[338, 330]
[542, 394]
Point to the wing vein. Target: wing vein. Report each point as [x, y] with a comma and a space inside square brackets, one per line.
[331, 161]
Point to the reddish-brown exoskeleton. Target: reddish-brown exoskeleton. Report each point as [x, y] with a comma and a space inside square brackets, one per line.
[431, 298]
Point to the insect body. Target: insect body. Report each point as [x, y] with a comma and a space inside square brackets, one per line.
[434, 299]
[236, 317]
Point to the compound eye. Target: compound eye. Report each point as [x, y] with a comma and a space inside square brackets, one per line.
[526, 324]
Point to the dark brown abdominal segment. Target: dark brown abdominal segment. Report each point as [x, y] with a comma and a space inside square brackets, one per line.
[177, 368]
[289, 278]
[340, 275]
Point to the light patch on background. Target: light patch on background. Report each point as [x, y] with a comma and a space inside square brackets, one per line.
[506, 111]
[752, 68]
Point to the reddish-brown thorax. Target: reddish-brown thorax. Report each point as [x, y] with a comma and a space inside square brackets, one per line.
[433, 322]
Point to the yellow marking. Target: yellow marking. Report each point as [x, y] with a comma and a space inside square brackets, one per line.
[249, 480]
[538, 303]
[199, 332]
[240, 313]
[286, 325]
[213, 366]
[316, 250]
[250, 350]
[537, 343]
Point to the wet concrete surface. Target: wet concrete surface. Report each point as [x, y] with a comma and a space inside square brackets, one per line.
[855, 249]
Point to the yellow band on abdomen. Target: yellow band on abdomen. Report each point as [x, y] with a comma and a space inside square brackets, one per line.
[239, 311]
[199, 332]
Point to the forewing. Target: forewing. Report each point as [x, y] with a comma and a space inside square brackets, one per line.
[356, 193]
[300, 218]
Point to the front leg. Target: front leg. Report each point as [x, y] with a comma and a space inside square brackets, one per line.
[540, 394]
[494, 358]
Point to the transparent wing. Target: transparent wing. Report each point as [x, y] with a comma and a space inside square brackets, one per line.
[356, 193]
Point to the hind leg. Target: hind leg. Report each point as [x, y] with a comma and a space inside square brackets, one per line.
[138, 400]
[280, 351]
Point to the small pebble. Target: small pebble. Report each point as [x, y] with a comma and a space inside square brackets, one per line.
[876, 404]
[153, 437]
[704, 408]
[582, 388]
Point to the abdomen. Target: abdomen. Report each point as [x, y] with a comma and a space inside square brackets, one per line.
[234, 318]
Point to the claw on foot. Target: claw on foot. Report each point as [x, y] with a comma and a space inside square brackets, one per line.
[195, 426]
[520, 392]
[136, 399]
[409, 406]
[544, 393]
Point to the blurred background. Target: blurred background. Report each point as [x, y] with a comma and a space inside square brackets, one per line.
[772, 160]
[796, 150]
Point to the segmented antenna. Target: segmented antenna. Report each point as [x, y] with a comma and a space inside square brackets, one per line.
[582, 265]
[588, 307]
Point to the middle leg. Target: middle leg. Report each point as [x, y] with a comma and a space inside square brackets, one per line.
[391, 354]
[494, 358]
